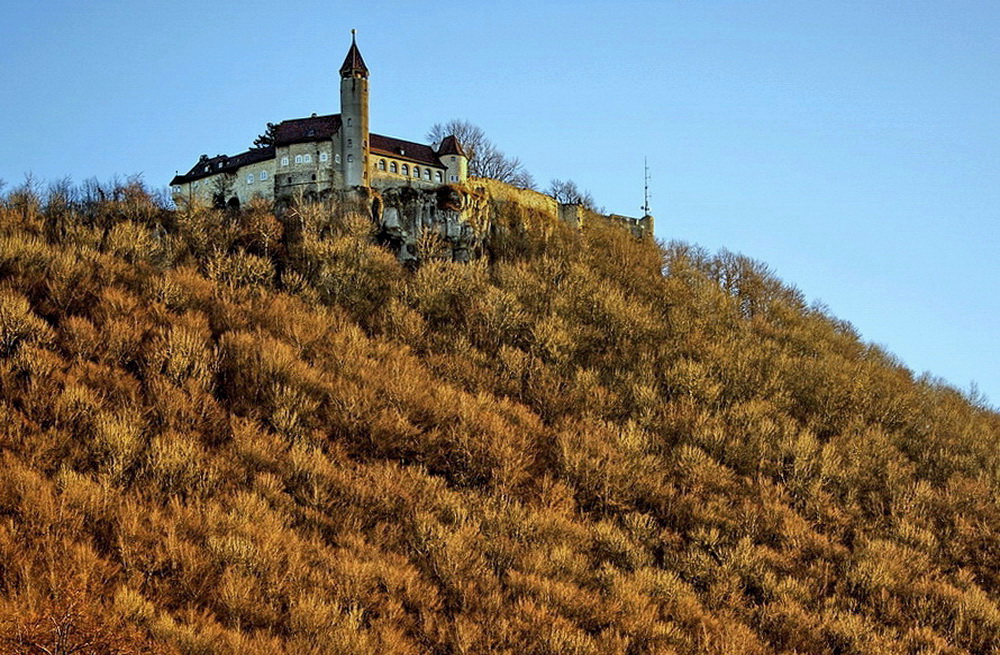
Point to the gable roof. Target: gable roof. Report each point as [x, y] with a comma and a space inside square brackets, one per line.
[400, 149]
[208, 166]
[304, 130]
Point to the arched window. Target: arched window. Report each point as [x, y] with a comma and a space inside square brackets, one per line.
[263, 175]
[284, 161]
[350, 142]
[406, 169]
[416, 171]
[336, 158]
[427, 174]
[307, 159]
[437, 177]
[298, 159]
[350, 158]
[324, 156]
[249, 178]
[381, 164]
[393, 168]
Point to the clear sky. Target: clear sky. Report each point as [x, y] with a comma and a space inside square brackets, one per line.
[853, 146]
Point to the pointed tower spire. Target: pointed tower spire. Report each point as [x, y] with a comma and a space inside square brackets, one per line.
[354, 64]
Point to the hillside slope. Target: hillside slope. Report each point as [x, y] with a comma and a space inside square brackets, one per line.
[233, 434]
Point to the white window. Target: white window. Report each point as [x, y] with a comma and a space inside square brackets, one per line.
[350, 158]
[307, 159]
[250, 178]
[298, 159]
[393, 168]
[427, 174]
[381, 164]
[324, 156]
[437, 176]
[263, 175]
[406, 169]
[416, 171]
[336, 158]
[284, 161]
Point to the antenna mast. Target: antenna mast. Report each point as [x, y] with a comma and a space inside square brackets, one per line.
[645, 206]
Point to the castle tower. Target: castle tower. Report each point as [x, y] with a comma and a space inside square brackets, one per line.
[354, 117]
[454, 158]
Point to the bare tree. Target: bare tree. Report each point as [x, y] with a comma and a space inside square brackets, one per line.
[568, 193]
[485, 158]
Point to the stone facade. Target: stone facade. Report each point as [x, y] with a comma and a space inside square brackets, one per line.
[316, 156]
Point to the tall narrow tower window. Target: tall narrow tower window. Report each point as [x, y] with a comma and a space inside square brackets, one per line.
[350, 143]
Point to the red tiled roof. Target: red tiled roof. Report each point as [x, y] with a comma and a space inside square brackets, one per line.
[451, 146]
[353, 62]
[300, 130]
[415, 152]
[207, 166]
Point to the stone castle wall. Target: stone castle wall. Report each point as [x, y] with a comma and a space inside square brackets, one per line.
[455, 222]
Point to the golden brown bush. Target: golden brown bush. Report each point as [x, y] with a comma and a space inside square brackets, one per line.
[249, 433]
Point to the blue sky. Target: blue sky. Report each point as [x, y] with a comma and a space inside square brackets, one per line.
[852, 146]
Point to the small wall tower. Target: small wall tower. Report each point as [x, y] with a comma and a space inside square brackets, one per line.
[453, 156]
[354, 117]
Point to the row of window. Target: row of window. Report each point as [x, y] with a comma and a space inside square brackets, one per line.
[307, 159]
[393, 167]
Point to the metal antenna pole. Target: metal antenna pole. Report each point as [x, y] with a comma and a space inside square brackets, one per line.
[645, 206]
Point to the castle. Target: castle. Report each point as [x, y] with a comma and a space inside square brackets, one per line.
[311, 157]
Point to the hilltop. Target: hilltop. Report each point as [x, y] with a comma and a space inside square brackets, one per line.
[238, 432]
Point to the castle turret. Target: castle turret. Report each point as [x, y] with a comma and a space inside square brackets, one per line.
[453, 156]
[354, 117]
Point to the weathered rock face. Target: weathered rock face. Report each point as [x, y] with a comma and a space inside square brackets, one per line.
[447, 223]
